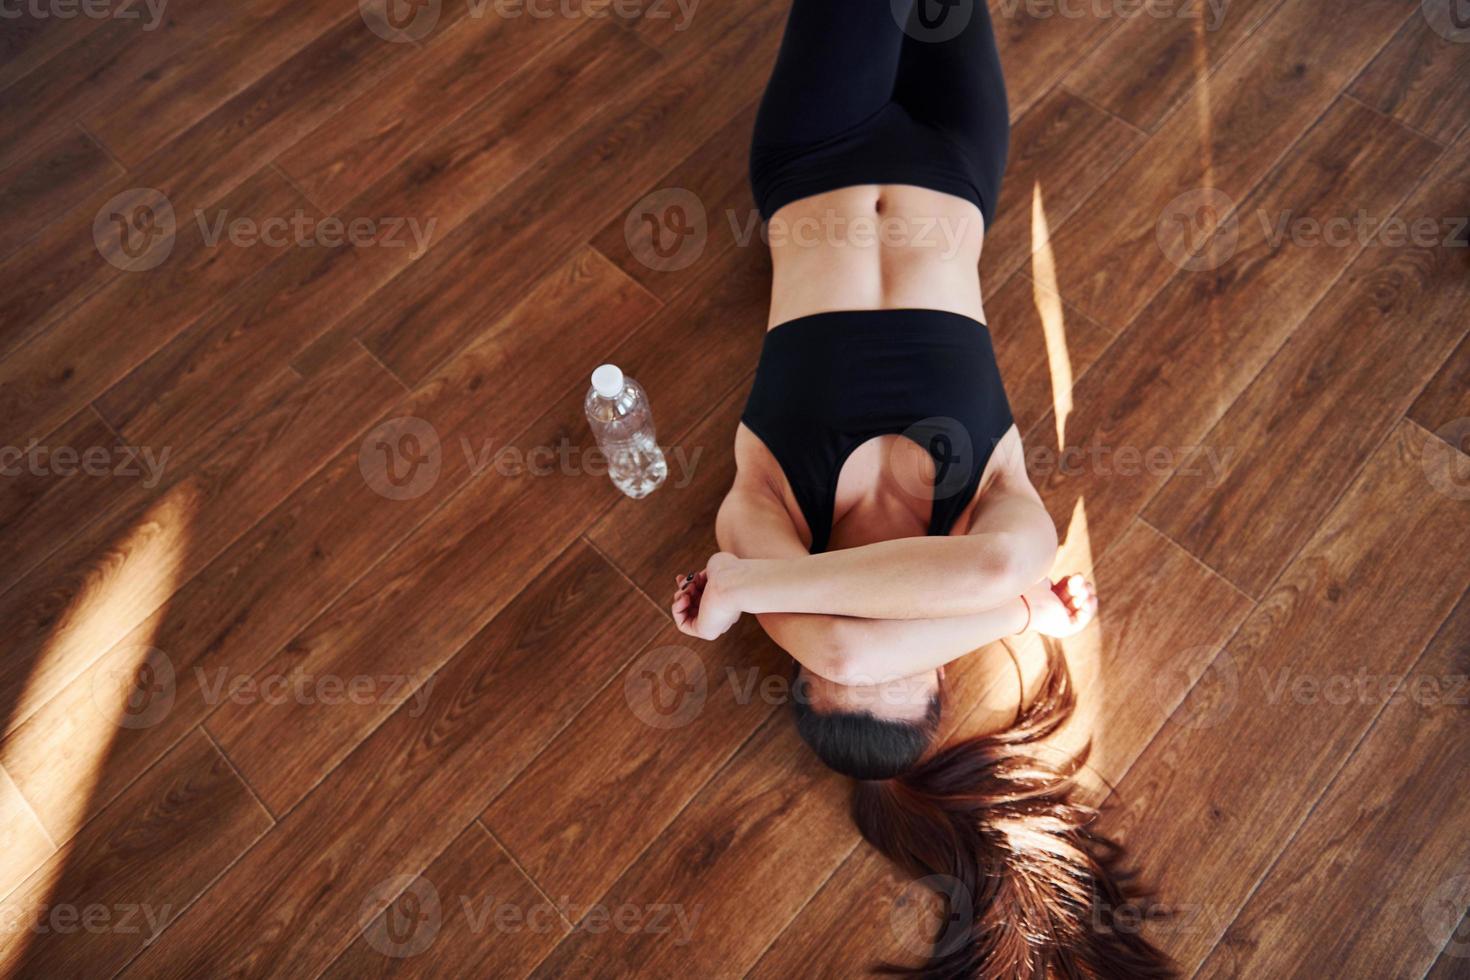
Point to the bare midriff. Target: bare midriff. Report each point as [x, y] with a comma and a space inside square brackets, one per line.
[875, 247]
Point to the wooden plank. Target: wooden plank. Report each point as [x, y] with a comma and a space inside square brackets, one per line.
[100, 901]
[867, 913]
[225, 623]
[775, 814]
[299, 898]
[36, 190]
[1043, 347]
[1165, 617]
[1146, 403]
[1420, 76]
[209, 158]
[1444, 403]
[205, 163]
[471, 913]
[54, 376]
[57, 270]
[673, 26]
[136, 121]
[1390, 834]
[458, 567]
[444, 182]
[1297, 435]
[29, 41]
[1040, 42]
[1451, 962]
[41, 496]
[115, 56]
[1043, 184]
[88, 595]
[1111, 258]
[210, 376]
[716, 176]
[26, 845]
[203, 378]
[355, 146]
[1208, 792]
[1170, 56]
[538, 219]
[465, 542]
[605, 790]
[673, 530]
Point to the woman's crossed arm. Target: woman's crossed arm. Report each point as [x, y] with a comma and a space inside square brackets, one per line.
[891, 609]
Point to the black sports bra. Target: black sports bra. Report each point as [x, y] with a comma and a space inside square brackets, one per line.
[828, 383]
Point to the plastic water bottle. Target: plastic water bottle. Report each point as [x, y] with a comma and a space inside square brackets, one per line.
[622, 420]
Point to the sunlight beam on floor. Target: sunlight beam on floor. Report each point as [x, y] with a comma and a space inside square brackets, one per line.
[1046, 294]
[152, 551]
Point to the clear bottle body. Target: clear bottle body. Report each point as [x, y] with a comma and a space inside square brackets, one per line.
[623, 425]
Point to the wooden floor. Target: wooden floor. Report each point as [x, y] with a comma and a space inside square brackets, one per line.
[328, 650]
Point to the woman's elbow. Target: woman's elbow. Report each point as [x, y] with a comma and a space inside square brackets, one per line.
[1014, 562]
[842, 657]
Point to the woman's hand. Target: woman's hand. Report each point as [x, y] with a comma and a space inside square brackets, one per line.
[1063, 609]
[704, 602]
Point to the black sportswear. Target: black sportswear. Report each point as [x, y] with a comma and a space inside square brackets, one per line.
[883, 92]
[830, 382]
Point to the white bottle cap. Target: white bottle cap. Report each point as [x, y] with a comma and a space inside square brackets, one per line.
[608, 380]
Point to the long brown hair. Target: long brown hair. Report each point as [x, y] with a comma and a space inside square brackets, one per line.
[1029, 888]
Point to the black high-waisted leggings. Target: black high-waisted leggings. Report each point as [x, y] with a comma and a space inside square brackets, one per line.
[883, 92]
